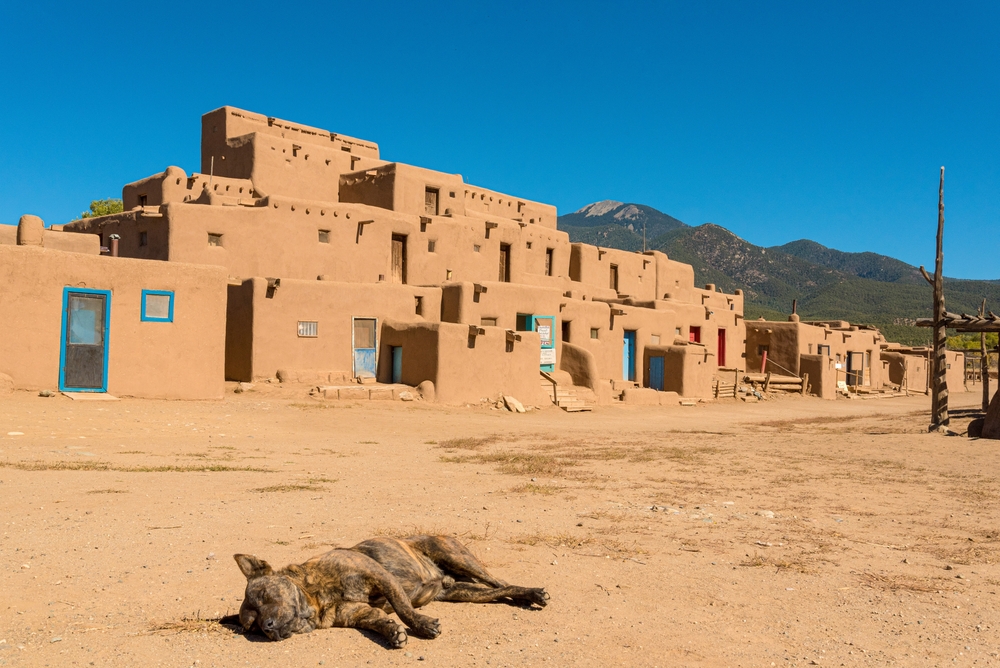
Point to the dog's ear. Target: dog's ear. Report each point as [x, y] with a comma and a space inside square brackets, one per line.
[251, 566]
[305, 610]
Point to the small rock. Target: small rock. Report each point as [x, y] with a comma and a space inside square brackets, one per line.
[556, 563]
[25, 565]
[15, 433]
[408, 654]
[211, 555]
[513, 404]
[56, 639]
[769, 514]
[46, 393]
[406, 396]
[948, 567]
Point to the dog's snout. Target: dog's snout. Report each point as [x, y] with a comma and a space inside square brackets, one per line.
[268, 624]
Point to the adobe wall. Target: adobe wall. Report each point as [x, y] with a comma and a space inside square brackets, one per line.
[55, 240]
[688, 369]
[182, 359]
[465, 368]
[783, 343]
[906, 370]
[822, 375]
[280, 157]
[276, 343]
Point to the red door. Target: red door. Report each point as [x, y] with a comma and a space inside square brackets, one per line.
[722, 347]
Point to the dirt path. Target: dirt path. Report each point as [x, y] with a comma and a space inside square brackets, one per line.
[784, 533]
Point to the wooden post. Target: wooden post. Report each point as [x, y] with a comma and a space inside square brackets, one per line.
[805, 381]
[984, 362]
[939, 375]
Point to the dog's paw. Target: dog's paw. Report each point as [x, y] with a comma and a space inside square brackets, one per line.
[397, 636]
[428, 627]
[539, 597]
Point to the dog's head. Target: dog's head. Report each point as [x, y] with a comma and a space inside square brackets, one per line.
[273, 601]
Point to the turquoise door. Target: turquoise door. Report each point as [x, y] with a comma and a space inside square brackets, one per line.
[83, 354]
[628, 355]
[545, 325]
[397, 364]
[656, 373]
[364, 347]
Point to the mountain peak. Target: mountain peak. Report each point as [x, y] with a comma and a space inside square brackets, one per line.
[599, 208]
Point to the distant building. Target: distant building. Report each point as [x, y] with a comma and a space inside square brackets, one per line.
[837, 355]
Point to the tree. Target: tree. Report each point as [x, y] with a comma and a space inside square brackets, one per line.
[103, 207]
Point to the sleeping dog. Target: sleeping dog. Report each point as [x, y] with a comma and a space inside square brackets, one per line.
[356, 587]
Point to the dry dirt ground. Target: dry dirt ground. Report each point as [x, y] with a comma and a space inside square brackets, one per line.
[791, 532]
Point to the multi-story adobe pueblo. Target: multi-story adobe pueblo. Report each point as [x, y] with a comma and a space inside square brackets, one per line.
[301, 254]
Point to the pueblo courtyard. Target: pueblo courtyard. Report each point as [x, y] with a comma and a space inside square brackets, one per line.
[793, 531]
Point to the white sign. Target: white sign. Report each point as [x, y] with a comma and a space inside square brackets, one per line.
[548, 355]
[838, 365]
[545, 334]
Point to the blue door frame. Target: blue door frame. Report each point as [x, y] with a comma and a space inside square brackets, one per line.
[545, 325]
[64, 336]
[628, 355]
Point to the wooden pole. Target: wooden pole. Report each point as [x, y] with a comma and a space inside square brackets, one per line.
[984, 362]
[939, 375]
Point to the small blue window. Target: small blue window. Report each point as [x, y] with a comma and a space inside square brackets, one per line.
[157, 306]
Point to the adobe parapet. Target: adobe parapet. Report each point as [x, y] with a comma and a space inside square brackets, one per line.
[415, 190]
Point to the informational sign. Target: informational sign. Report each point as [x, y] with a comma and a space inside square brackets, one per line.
[548, 356]
[545, 334]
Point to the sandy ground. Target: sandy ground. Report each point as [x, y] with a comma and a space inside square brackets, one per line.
[791, 532]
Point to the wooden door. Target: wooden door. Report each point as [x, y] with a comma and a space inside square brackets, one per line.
[656, 373]
[504, 274]
[364, 344]
[722, 347]
[399, 258]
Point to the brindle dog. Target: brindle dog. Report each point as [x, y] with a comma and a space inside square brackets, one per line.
[356, 587]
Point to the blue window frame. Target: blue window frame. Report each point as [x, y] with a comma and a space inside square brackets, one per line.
[157, 306]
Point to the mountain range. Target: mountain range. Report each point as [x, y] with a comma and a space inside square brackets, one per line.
[864, 288]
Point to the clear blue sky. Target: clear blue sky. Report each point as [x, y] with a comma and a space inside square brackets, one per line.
[779, 121]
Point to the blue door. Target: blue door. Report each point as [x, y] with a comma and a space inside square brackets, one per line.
[545, 325]
[364, 347]
[83, 354]
[656, 373]
[628, 355]
[397, 364]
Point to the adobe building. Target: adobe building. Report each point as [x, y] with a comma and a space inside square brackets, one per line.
[909, 368]
[344, 266]
[839, 355]
[74, 320]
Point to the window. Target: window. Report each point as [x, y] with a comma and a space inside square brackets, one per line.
[548, 261]
[594, 331]
[399, 258]
[476, 248]
[614, 277]
[822, 349]
[487, 322]
[565, 330]
[431, 201]
[308, 329]
[677, 331]
[695, 335]
[143, 238]
[527, 244]
[418, 306]
[810, 349]
[142, 200]
[324, 236]
[214, 239]
[654, 339]
[431, 245]
[157, 306]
